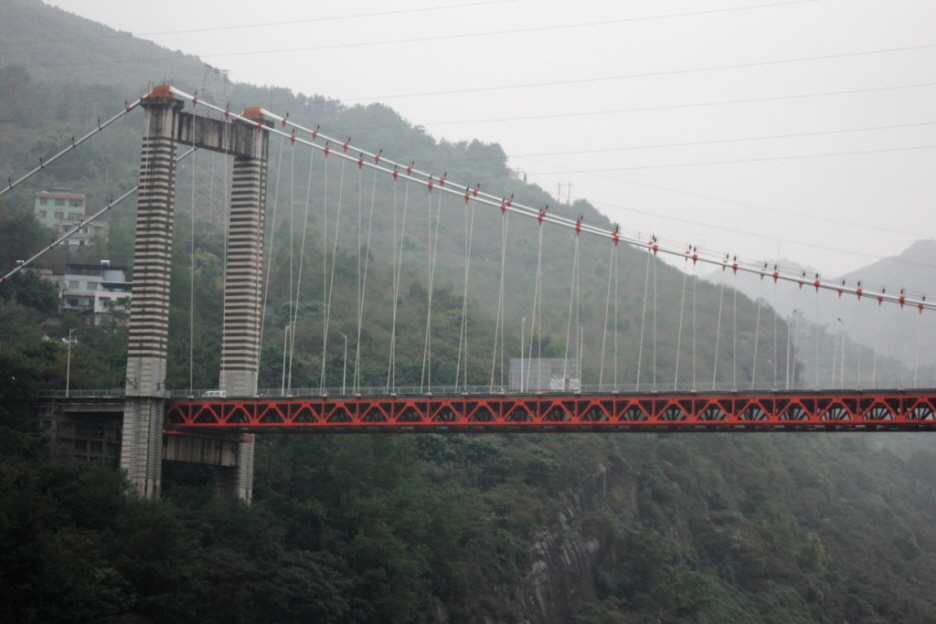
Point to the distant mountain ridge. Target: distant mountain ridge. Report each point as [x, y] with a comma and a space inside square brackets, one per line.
[53, 45]
[903, 334]
[913, 269]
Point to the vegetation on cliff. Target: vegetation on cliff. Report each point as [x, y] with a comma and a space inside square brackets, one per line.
[428, 528]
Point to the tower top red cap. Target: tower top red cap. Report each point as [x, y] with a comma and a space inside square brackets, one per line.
[161, 91]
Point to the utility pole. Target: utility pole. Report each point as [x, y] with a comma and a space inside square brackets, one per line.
[68, 363]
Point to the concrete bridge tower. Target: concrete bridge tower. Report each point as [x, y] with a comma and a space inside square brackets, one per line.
[165, 127]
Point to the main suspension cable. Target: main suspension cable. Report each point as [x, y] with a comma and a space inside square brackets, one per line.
[64, 237]
[43, 163]
[376, 161]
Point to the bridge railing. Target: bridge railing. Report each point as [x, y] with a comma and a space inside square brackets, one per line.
[449, 390]
[101, 393]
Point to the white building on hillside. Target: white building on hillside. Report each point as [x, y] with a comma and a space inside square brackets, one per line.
[62, 210]
[95, 291]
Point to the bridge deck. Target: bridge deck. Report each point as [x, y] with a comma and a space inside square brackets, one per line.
[751, 411]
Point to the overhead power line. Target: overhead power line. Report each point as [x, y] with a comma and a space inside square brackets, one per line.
[744, 160]
[720, 141]
[668, 72]
[293, 22]
[642, 109]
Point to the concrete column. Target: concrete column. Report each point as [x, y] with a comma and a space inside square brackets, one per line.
[165, 125]
[141, 448]
[243, 284]
[243, 295]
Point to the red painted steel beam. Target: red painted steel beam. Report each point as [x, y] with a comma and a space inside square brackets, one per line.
[773, 411]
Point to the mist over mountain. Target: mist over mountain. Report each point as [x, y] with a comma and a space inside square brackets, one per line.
[435, 529]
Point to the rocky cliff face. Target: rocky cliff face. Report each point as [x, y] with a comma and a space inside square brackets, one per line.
[567, 554]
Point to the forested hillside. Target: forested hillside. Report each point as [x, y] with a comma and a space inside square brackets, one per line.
[594, 529]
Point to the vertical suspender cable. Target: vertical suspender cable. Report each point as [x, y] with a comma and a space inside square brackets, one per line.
[426, 377]
[900, 327]
[397, 276]
[580, 331]
[499, 320]
[655, 315]
[816, 333]
[462, 362]
[682, 310]
[759, 304]
[916, 350]
[734, 338]
[604, 335]
[302, 248]
[359, 296]
[394, 289]
[695, 343]
[535, 320]
[538, 313]
[370, 229]
[192, 287]
[877, 346]
[787, 359]
[290, 310]
[776, 359]
[324, 265]
[860, 350]
[572, 298]
[643, 318]
[331, 276]
[721, 298]
[617, 333]
[266, 285]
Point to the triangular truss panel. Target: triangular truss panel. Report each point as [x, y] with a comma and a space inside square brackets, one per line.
[551, 412]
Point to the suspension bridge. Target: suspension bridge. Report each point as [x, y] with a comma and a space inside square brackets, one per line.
[510, 392]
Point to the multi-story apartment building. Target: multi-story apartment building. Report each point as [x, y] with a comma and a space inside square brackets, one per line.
[62, 210]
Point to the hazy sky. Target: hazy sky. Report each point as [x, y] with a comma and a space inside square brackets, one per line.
[764, 128]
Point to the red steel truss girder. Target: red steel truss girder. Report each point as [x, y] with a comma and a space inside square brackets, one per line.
[857, 411]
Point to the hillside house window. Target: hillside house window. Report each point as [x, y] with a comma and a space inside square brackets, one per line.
[59, 215]
[59, 202]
